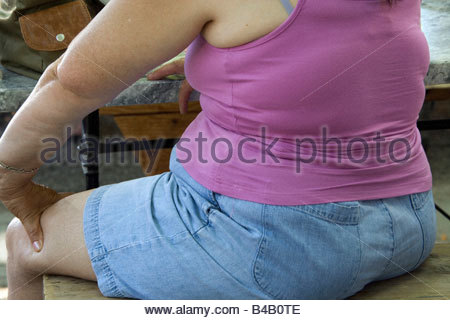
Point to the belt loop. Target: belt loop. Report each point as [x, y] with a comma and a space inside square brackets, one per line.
[213, 198]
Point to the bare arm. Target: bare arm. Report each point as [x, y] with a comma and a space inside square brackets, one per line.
[122, 42]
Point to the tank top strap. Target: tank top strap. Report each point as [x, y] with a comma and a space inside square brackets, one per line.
[288, 6]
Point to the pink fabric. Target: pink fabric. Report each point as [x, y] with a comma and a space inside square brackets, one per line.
[353, 68]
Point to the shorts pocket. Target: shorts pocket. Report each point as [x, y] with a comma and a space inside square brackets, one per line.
[424, 208]
[309, 251]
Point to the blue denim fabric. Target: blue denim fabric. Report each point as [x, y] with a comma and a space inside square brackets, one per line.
[168, 237]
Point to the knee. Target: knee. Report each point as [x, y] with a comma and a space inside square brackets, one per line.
[18, 246]
[12, 234]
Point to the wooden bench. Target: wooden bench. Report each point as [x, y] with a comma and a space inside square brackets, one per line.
[430, 281]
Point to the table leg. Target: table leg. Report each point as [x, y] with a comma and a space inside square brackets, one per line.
[90, 138]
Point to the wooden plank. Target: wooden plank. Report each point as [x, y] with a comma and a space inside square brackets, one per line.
[431, 281]
[68, 288]
[153, 122]
[154, 126]
[193, 107]
[438, 92]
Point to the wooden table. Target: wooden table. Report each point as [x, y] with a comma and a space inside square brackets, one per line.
[14, 89]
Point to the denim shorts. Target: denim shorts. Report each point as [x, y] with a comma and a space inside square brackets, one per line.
[168, 237]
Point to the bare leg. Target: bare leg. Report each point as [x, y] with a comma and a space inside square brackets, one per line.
[64, 251]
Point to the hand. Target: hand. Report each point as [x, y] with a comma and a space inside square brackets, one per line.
[175, 67]
[28, 203]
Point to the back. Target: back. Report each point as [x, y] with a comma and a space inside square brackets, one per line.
[335, 69]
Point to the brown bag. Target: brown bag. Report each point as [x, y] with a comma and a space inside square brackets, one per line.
[32, 38]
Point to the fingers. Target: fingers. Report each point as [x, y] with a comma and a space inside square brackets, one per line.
[176, 67]
[183, 96]
[33, 227]
[29, 208]
[32, 223]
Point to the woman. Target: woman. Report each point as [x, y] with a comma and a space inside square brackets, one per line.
[302, 178]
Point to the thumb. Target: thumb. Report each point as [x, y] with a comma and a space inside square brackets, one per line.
[175, 67]
[34, 231]
[162, 72]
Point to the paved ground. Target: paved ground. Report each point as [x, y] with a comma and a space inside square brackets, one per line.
[437, 147]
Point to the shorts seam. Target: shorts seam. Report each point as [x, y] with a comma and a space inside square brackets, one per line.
[195, 238]
[423, 239]
[258, 253]
[391, 222]
[97, 252]
[418, 199]
[112, 289]
[133, 244]
[316, 211]
[358, 272]
[213, 200]
[208, 221]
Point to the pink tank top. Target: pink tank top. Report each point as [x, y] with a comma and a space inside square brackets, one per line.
[321, 109]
